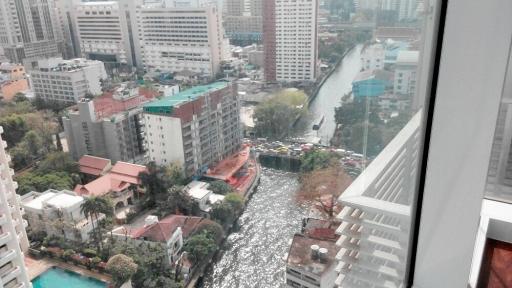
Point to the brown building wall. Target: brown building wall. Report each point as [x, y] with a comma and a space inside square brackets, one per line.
[269, 39]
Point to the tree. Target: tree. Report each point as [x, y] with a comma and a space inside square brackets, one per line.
[15, 128]
[357, 140]
[19, 97]
[223, 213]
[92, 207]
[235, 201]
[122, 268]
[58, 161]
[274, 117]
[200, 246]
[177, 202]
[30, 181]
[212, 228]
[220, 187]
[156, 182]
[175, 174]
[34, 144]
[315, 159]
[357, 111]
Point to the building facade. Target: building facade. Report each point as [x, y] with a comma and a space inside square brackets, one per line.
[194, 128]
[13, 238]
[110, 126]
[243, 20]
[67, 81]
[405, 73]
[290, 31]
[28, 29]
[105, 33]
[58, 213]
[372, 57]
[177, 39]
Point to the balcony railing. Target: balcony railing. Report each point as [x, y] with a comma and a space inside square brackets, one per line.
[376, 214]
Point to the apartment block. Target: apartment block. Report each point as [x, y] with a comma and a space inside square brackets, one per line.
[405, 72]
[176, 39]
[375, 219]
[110, 126]
[57, 213]
[105, 33]
[67, 81]
[372, 57]
[13, 238]
[28, 30]
[290, 35]
[194, 128]
[243, 20]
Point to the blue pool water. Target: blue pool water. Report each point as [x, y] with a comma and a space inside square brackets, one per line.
[57, 278]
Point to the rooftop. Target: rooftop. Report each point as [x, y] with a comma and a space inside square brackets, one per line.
[198, 189]
[163, 230]
[320, 229]
[300, 254]
[58, 199]
[374, 74]
[229, 166]
[407, 57]
[165, 105]
[107, 104]
[93, 165]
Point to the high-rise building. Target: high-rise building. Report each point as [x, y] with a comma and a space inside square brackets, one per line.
[290, 40]
[178, 39]
[105, 32]
[194, 128]
[65, 19]
[109, 126]
[243, 21]
[28, 29]
[67, 81]
[13, 238]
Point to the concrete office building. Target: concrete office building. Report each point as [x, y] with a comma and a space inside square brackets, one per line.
[177, 39]
[28, 30]
[290, 40]
[194, 128]
[67, 81]
[243, 21]
[110, 126]
[405, 73]
[13, 238]
[105, 31]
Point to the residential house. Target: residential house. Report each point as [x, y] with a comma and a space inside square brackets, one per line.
[199, 191]
[58, 213]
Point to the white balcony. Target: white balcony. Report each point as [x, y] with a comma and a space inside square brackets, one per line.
[7, 256]
[4, 238]
[376, 216]
[10, 274]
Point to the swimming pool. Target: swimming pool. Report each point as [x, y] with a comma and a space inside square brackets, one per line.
[57, 277]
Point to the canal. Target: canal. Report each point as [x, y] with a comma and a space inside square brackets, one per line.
[253, 256]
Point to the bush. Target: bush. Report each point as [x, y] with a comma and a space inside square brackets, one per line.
[89, 252]
[67, 254]
[220, 187]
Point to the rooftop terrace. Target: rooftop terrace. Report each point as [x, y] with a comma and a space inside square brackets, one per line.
[165, 105]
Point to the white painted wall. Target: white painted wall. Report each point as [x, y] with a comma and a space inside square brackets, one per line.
[164, 139]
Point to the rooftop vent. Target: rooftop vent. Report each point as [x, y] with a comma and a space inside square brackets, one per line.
[314, 251]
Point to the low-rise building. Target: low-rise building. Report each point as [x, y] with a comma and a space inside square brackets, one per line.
[199, 191]
[13, 80]
[67, 81]
[393, 102]
[372, 83]
[405, 72]
[311, 263]
[58, 213]
[110, 126]
[94, 166]
[120, 183]
[194, 128]
[171, 232]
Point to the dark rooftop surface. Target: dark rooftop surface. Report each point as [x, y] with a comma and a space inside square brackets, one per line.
[299, 255]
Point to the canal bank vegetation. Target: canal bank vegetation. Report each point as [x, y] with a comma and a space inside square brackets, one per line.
[331, 50]
[322, 180]
[274, 118]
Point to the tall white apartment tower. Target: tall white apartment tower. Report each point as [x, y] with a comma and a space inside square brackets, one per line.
[290, 34]
[29, 29]
[177, 39]
[13, 238]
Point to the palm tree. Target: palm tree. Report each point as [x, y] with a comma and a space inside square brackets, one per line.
[92, 207]
[88, 208]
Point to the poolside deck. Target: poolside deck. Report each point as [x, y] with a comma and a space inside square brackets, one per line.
[36, 267]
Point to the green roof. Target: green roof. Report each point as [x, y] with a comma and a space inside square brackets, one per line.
[166, 105]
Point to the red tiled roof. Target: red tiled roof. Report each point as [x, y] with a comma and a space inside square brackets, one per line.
[165, 228]
[127, 172]
[228, 167]
[93, 165]
[120, 177]
[106, 105]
